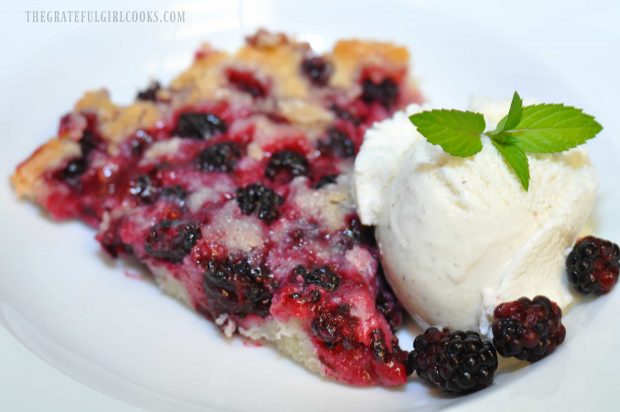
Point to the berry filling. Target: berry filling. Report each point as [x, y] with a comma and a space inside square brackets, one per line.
[247, 82]
[239, 288]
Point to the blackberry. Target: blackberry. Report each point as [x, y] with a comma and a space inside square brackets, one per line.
[459, 362]
[528, 329]
[384, 92]
[238, 287]
[317, 70]
[322, 276]
[289, 161]
[172, 240]
[258, 198]
[150, 93]
[199, 125]
[220, 157]
[593, 265]
[78, 166]
[338, 144]
[144, 189]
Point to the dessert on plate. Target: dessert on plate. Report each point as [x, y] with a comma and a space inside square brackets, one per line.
[239, 186]
[231, 184]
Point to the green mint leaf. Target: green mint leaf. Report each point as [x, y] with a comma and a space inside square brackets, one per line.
[512, 119]
[457, 132]
[516, 159]
[504, 138]
[550, 128]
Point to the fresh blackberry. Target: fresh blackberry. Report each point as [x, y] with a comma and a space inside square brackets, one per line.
[220, 157]
[384, 92]
[593, 265]
[459, 362]
[172, 240]
[260, 199]
[199, 125]
[317, 70]
[288, 161]
[238, 287]
[528, 329]
[338, 143]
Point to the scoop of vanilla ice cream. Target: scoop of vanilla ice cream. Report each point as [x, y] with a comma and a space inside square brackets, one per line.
[459, 235]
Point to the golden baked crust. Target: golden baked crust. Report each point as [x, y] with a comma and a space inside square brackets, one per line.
[26, 179]
[118, 122]
[351, 55]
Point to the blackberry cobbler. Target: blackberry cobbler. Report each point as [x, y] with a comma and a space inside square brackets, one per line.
[231, 185]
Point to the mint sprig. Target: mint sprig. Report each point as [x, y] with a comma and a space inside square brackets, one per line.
[540, 128]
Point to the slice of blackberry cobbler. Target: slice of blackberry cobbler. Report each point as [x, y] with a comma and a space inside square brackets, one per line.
[232, 185]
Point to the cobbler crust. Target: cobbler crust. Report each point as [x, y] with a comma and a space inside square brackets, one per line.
[27, 178]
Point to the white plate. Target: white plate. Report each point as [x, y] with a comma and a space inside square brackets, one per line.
[75, 308]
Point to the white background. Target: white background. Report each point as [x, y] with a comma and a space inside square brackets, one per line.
[577, 40]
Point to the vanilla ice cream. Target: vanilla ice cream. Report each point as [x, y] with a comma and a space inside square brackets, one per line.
[459, 235]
